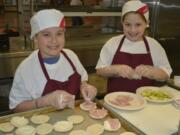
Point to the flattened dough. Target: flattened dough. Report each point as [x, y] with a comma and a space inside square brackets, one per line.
[87, 106]
[112, 124]
[19, 121]
[78, 132]
[63, 126]
[127, 133]
[95, 129]
[75, 119]
[44, 129]
[40, 119]
[26, 130]
[6, 127]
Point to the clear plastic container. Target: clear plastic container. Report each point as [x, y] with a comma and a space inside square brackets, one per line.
[177, 102]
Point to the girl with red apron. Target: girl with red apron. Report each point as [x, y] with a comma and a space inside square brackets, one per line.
[72, 85]
[133, 60]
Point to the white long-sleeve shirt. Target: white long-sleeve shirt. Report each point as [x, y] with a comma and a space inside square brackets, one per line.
[158, 54]
[29, 80]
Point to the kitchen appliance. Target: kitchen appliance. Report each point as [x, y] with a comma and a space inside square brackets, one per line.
[4, 42]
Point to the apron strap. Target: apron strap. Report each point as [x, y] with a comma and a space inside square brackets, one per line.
[42, 66]
[146, 44]
[74, 69]
[119, 47]
[123, 38]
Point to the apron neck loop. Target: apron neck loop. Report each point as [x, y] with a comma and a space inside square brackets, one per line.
[42, 66]
[65, 55]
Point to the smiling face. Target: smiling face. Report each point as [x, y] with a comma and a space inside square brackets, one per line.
[134, 26]
[50, 41]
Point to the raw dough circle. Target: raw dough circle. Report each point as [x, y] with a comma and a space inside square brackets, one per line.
[63, 126]
[19, 121]
[127, 133]
[6, 127]
[39, 119]
[98, 113]
[26, 130]
[78, 132]
[87, 106]
[44, 129]
[95, 129]
[108, 127]
[75, 119]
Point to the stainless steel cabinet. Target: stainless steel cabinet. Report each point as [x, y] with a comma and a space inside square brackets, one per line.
[165, 27]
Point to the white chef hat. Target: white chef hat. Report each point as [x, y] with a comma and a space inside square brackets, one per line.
[137, 6]
[46, 18]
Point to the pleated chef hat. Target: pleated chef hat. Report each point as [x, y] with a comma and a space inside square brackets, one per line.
[46, 18]
[138, 6]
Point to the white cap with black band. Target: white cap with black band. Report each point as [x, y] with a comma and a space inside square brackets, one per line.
[45, 19]
[137, 6]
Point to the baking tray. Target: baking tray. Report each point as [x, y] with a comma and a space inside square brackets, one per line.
[58, 115]
[125, 124]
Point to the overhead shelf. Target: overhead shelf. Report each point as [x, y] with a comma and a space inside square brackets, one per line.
[85, 10]
[92, 13]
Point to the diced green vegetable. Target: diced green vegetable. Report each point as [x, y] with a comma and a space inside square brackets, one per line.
[155, 94]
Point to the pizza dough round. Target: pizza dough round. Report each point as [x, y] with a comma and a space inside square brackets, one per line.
[127, 133]
[39, 119]
[6, 127]
[112, 124]
[44, 129]
[95, 129]
[26, 130]
[75, 119]
[78, 132]
[87, 106]
[19, 121]
[98, 113]
[63, 126]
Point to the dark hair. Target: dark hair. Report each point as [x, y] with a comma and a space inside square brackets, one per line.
[134, 12]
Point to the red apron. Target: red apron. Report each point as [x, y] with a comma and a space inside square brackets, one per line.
[133, 60]
[72, 85]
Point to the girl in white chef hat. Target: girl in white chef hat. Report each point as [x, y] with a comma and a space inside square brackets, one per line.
[51, 75]
[132, 59]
